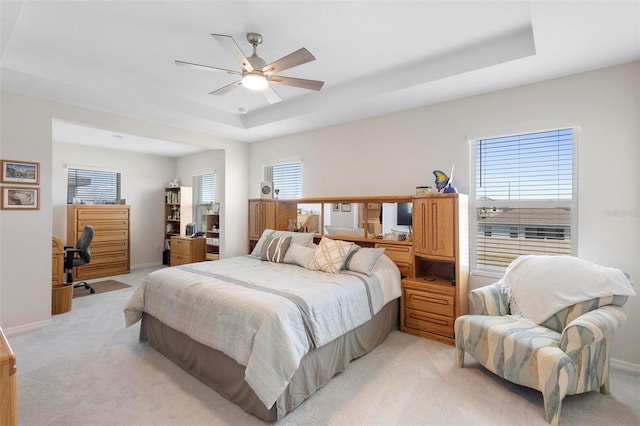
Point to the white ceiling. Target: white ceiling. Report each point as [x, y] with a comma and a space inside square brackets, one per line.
[375, 57]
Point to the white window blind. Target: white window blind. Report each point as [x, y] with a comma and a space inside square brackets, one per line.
[94, 186]
[523, 197]
[204, 196]
[286, 178]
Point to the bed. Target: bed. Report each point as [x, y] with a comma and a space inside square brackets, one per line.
[267, 333]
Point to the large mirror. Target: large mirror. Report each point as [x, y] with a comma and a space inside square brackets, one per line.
[377, 218]
[344, 220]
[309, 217]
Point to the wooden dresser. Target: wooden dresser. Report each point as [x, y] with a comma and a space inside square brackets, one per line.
[8, 395]
[437, 293]
[110, 245]
[187, 250]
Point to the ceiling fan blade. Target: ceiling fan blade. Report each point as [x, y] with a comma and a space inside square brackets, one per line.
[232, 47]
[205, 67]
[297, 82]
[271, 96]
[227, 88]
[299, 57]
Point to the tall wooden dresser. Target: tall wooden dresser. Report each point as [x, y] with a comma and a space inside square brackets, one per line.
[436, 295]
[110, 245]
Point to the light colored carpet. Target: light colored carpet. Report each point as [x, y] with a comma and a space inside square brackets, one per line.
[88, 369]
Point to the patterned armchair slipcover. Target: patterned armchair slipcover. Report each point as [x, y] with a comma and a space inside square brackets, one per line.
[565, 355]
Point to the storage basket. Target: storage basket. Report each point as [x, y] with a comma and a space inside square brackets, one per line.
[61, 297]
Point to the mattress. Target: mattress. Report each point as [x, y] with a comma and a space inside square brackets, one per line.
[264, 316]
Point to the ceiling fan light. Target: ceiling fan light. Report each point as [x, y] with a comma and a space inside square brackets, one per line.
[254, 81]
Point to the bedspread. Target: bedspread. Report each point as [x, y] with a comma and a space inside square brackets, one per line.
[264, 315]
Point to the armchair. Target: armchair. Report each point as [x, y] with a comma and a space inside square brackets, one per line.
[565, 354]
[77, 256]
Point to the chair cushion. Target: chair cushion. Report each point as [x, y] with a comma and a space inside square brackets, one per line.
[505, 345]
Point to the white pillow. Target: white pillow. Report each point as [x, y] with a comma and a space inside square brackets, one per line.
[330, 255]
[299, 255]
[302, 238]
[363, 260]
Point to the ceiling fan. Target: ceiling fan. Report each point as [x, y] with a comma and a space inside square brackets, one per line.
[255, 73]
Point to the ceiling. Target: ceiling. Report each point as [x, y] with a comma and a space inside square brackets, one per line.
[375, 57]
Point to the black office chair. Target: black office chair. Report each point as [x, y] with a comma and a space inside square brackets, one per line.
[79, 255]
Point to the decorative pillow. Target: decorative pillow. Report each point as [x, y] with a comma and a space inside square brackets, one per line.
[302, 238]
[330, 255]
[363, 260]
[299, 255]
[275, 248]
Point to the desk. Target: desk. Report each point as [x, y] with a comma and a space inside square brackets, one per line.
[57, 261]
[187, 250]
[61, 293]
[8, 396]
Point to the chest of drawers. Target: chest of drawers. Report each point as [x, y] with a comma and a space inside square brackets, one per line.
[187, 250]
[110, 246]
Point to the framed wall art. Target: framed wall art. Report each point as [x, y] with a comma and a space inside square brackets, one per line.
[346, 207]
[15, 198]
[21, 172]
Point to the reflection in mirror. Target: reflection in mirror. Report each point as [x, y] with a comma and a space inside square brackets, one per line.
[309, 217]
[396, 219]
[344, 220]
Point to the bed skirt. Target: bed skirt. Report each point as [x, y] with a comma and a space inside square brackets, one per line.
[224, 375]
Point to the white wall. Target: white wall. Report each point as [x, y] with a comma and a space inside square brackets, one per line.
[25, 236]
[392, 154]
[143, 178]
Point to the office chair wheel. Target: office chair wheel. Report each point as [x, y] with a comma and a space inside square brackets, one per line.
[92, 290]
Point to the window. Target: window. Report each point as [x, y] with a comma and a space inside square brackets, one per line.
[286, 178]
[93, 186]
[204, 197]
[525, 185]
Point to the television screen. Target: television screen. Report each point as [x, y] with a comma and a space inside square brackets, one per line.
[404, 214]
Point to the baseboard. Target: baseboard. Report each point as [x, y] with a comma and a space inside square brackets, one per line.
[627, 367]
[21, 329]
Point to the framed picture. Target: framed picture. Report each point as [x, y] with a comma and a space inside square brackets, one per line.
[22, 172]
[335, 207]
[346, 207]
[14, 198]
[216, 208]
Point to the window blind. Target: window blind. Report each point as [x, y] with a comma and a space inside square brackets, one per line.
[286, 178]
[93, 186]
[523, 197]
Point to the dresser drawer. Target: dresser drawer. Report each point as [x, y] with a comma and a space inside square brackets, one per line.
[100, 270]
[108, 246]
[179, 259]
[100, 213]
[181, 247]
[111, 257]
[102, 236]
[396, 253]
[104, 225]
[429, 302]
[428, 322]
